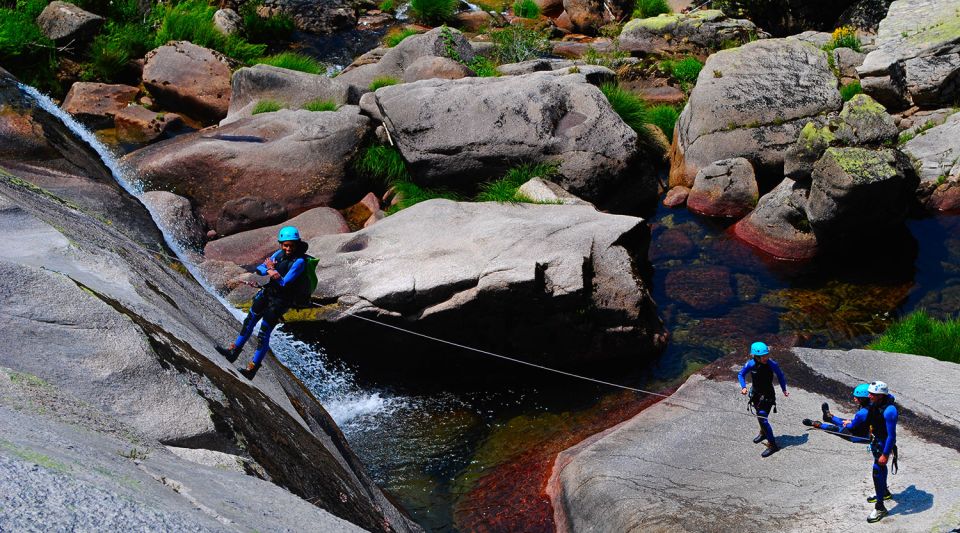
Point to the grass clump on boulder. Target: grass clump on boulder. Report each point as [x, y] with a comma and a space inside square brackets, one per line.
[515, 44]
[192, 20]
[383, 81]
[527, 9]
[921, 334]
[321, 105]
[293, 61]
[410, 193]
[433, 12]
[650, 8]
[664, 117]
[382, 163]
[683, 70]
[629, 106]
[266, 106]
[850, 90]
[396, 36]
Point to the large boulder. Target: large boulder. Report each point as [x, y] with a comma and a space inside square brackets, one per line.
[535, 118]
[137, 124]
[293, 89]
[937, 152]
[916, 59]
[429, 67]
[395, 61]
[251, 247]
[67, 24]
[228, 22]
[189, 79]
[779, 225]
[858, 191]
[726, 188]
[752, 102]
[297, 159]
[316, 16]
[96, 104]
[686, 463]
[125, 335]
[584, 16]
[249, 212]
[699, 32]
[555, 284]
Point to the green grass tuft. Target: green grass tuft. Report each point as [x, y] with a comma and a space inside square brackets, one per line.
[387, 6]
[683, 70]
[396, 36]
[629, 106]
[383, 81]
[650, 8]
[484, 67]
[320, 105]
[527, 9]
[664, 117]
[382, 163]
[115, 47]
[505, 188]
[192, 20]
[850, 90]
[920, 334]
[412, 194]
[434, 12]
[266, 106]
[293, 61]
[515, 44]
[24, 50]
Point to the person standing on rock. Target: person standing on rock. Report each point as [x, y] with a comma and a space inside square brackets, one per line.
[882, 420]
[288, 286]
[763, 397]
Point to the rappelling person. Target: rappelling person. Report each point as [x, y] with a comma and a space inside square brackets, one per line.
[763, 398]
[289, 286]
[882, 419]
[854, 430]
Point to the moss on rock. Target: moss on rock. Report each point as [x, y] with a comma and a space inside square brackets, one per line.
[812, 137]
[864, 165]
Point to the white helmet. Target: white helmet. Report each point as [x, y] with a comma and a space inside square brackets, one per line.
[878, 387]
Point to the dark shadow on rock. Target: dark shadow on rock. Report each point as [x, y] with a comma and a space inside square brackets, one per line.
[912, 500]
[786, 441]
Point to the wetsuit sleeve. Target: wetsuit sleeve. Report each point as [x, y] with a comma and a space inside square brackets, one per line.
[890, 416]
[262, 269]
[741, 377]
[295, 270]
[780, 376]
[858, 419]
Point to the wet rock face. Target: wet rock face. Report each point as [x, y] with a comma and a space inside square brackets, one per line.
[916, 60]
[317, 16]
[701, 32]
[189, 79]
[726, 188]
[96, 104]
[65, 23]
[176, 214]
[293, 89]
[296, 159]
[752, 102]
[576, 263]
[540, 117]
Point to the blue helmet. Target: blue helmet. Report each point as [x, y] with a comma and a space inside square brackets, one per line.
[861, 391]
[758, 349]
[288, 233]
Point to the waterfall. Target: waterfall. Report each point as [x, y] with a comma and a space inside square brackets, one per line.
[335, 388]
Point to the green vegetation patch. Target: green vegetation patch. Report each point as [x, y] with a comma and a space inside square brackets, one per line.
[515, 44]
[650, 8]
[396, 36]
[293, 61]
[629, 106]
[484, 67]
[321, 105]
[527, 9]
[433, 12]
[683, 70]
[387, 6]
[920, 334]
[850, 90]
[664, 117]
[383, 81]
[32, 456]
[412, 194]
[505, 188]
[23, 48]
[266, 106]
[862, 164]
[192, 20]
[259, 29]
[112, 50]
[382, 163]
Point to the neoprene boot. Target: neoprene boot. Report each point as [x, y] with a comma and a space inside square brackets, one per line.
[250, 371]
[827, 415]
[772, 448]
[759, 438]
[231, 353]
[878, 513]
[887, 496]
[811, 423]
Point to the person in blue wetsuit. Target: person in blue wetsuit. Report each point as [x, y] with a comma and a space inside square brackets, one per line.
[882, 420]
[288, 286]
[763, 397]
[842, 427]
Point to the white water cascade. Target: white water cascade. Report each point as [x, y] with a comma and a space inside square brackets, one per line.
[335, 388]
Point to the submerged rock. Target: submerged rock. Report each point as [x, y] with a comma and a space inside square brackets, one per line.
[727, 188]
[557, 284]
[779, 225]
[644, 473]
[752, 102]
[297, 159]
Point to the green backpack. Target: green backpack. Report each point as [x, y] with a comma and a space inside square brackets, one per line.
[311, 269]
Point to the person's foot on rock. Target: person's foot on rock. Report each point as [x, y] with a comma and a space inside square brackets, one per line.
[878, 513]
[811, 423]
[771, 449]
[759, 438]
[231, 353]
[250, 371]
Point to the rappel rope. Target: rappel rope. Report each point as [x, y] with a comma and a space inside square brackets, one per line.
[666, 397]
